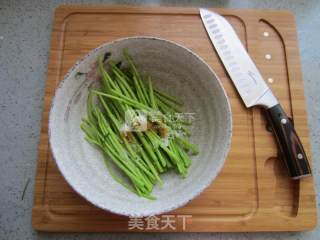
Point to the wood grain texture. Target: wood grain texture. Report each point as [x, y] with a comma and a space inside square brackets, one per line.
[253, 192]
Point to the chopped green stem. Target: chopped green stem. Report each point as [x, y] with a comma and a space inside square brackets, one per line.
[170, 98]
[149, 150]
[188, 145]
[116, 178]
[150, 165]
[122, 79]
[139, 91]
[152, 100]
[124, 99]
[165, 108]
[159, 155]
[184, 156]
[168, 103]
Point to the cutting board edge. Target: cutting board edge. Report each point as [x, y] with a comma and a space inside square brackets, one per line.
[60, 14]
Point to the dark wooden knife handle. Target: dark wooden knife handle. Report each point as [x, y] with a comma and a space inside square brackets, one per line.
[289, 143]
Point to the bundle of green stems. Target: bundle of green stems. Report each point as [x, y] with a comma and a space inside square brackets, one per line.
[141, 155]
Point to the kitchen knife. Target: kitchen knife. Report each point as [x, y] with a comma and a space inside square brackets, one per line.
[254, 91]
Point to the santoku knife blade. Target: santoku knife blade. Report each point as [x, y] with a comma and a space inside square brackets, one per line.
[254, 91]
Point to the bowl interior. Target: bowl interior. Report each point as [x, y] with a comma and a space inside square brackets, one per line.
[177, 71]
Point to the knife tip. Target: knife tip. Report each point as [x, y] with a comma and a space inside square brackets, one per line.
[202, 10]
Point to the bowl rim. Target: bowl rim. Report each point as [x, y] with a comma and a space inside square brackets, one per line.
[201, 187]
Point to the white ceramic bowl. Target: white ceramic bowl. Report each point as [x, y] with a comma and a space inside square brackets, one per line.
[174, 69]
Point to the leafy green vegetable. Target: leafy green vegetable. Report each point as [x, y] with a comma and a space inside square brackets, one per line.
[152, 143]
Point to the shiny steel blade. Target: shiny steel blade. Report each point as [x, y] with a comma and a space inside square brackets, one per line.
[240, 67]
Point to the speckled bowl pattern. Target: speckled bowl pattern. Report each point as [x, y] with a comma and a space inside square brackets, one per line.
[177, 71]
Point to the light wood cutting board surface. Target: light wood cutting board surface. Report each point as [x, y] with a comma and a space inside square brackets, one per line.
[253, 192]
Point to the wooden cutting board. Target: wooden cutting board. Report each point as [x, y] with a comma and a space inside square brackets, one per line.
[253, 192]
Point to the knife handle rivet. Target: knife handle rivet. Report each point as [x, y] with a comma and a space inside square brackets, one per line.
[268, 56]
[270, 80]
[283, 121]
[265, 34]
[300, 156]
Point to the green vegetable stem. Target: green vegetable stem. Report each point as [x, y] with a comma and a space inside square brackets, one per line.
[141, 149]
